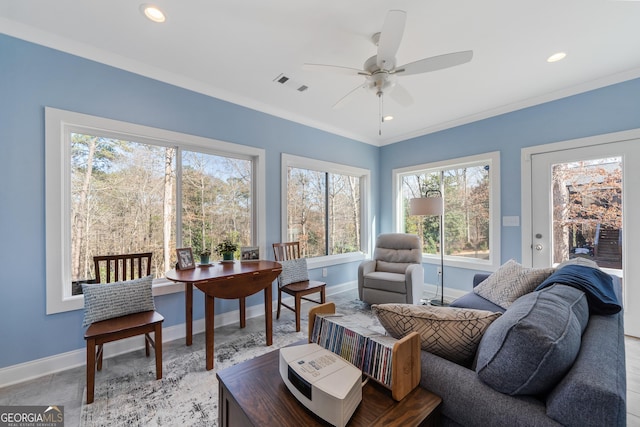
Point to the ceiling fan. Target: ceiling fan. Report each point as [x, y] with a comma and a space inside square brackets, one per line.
[380, 71]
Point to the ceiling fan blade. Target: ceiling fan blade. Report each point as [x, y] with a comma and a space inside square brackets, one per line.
[349, 96]
[435, 63]
[390, 38]
[401, 95]
[337, 69]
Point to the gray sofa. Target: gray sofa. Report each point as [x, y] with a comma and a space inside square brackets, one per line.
[592, 393]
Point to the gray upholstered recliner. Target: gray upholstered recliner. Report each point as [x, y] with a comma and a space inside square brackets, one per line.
[395, 274]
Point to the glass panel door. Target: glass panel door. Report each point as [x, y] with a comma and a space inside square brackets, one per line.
[583, 204]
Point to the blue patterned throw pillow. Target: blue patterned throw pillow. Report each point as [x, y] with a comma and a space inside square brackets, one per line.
[105, 301]
[294, 270]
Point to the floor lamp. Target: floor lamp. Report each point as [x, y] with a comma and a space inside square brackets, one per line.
[432, 205]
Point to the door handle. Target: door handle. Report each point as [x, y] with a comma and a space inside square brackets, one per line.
[538, 247]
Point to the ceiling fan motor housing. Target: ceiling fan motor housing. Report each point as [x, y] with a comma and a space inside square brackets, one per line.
[380, 80]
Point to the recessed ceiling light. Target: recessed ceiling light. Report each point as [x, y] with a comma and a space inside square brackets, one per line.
[152, 12]
[387, 118]
[556, 57]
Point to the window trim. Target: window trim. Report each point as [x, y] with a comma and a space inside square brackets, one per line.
[290, 160]
[58, 125]
[493, 159]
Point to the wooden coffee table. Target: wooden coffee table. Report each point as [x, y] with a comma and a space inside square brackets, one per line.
[252, 393]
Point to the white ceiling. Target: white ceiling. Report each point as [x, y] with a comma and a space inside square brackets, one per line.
[233, 50]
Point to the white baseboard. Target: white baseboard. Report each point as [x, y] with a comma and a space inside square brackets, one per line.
[48, 365]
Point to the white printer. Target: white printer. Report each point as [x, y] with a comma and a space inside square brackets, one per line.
[322, 381]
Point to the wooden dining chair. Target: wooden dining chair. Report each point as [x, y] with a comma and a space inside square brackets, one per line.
[123, 309]
[290, 251]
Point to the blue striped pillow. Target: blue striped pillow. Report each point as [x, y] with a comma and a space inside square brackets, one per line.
[105, 301]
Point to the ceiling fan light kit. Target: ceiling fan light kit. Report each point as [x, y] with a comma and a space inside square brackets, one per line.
[380, 71]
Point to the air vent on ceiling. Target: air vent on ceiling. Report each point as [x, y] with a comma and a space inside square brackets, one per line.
[290, 83]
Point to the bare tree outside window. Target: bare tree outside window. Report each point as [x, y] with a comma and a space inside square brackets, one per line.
[216, 202]
[323, 211]
[123, 200]
[587, 211]
[466, 210]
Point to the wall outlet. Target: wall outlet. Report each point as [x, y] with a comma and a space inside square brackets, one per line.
[324, 272]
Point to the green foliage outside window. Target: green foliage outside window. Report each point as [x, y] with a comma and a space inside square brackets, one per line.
[466, 210]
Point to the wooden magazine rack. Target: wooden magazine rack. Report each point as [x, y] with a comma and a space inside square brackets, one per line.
[405, 360]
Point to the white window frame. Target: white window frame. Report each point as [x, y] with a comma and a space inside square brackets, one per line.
[58, 126]
[493, 160]
[289, 160]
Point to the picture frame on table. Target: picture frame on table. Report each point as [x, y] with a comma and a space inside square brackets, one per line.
[249, 253]
[185, 259]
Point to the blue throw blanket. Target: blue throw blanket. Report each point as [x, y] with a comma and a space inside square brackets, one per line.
[596, 284]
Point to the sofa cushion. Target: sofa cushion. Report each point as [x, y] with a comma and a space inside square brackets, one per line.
[451, 333]
[398, 248]
[510, 282]
[535, 342]
[473, 300]
[108, 300]
[294, 270]
[390, 282]
[392, 267]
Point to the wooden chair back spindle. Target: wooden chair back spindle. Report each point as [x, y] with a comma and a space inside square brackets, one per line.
[122, 267]
[286, 251]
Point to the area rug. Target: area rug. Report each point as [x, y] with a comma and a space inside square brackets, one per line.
[187, 395]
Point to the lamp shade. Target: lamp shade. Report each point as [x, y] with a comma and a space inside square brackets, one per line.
[426, 206]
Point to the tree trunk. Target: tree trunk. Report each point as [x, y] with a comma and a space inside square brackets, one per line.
[354, 183]
[81, 216]
[560, 215]
[167, 204]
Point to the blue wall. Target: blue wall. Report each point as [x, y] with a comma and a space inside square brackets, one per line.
[32, 77]
[610, 109]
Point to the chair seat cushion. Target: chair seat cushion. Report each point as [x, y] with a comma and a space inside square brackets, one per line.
[109, 300]
[451, 333]
[385, 281]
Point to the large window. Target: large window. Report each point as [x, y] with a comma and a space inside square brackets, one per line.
[114, 187]
[469, 187]
[324, 205]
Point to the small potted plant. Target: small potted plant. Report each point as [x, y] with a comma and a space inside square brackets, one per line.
[226, 248]
[204, 256]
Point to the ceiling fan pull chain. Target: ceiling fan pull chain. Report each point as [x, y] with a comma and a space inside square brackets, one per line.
[380, 110]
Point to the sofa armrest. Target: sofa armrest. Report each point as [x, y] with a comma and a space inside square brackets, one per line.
[593, 393]
[468, 401]
[414, 278]
[364, 268]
